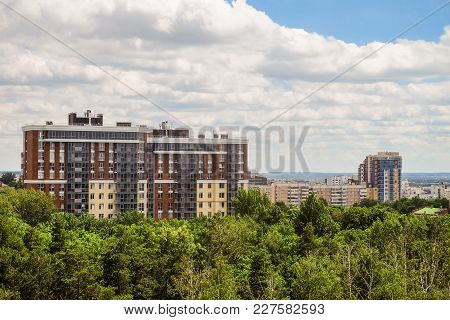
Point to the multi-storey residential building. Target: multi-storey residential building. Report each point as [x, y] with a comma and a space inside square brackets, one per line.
[104, 170]
[256, 179]
[341, 180]
[381, 173]
[293, 193]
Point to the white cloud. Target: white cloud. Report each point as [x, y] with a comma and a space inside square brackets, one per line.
[216, 63]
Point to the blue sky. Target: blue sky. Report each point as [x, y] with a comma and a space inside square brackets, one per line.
[358, 21]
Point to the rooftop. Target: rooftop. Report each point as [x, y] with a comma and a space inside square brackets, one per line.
[429, 211]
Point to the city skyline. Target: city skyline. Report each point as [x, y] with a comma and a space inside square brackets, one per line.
[233, 64]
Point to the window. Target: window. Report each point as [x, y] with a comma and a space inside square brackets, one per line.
[209, 195]
[101, 216]
[200, 195]
[92, 196]
[110, 206]
[101, 156]
[110, 186]
[223, 204]
[221, 185]
[110, 216]
[101, 206]
[200, 185]
[209, 185]
[92, 206]
[222, 195]
[200, 204]
[101, 186]
[101, 196]
[209, 205]
[111, 196]
[209, 214]
[101, 147]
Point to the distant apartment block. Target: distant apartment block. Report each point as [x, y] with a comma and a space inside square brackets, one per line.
[381, 174]
[428, 192]
[103, 170]
[256, 179]
[293, 193]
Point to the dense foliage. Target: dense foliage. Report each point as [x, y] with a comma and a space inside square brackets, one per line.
[9, 179]
[265, 251]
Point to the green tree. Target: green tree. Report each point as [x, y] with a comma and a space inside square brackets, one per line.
[8, 178]
[33, 206]
[316, 277]
[315, 211]
[253, 203]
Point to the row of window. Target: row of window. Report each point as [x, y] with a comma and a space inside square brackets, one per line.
[101, 186]
[101, 196]
[101, 206]
[92, 135]
[221, 195]
[200, 205]
[101, 216]
[209, 185]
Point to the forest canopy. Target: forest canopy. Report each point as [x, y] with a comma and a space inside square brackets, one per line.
[263, 251]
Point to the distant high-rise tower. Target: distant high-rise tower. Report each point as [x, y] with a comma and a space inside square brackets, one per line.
[382, 175]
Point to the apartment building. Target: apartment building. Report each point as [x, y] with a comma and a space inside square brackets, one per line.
[293, 193]
[103, 170]
[381, 173]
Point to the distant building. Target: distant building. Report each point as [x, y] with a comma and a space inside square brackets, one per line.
[104, 170]
[381, 174]
[256, 179]
[341, 180]
[427, 192]
[341, 195]
[293, 193]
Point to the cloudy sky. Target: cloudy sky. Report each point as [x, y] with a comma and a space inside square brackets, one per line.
[226, 63]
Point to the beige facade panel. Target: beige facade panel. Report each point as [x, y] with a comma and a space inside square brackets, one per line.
[211, 197]
[102, 199]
